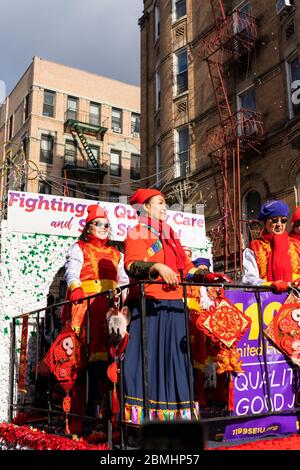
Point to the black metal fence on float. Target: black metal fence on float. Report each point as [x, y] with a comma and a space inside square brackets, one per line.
[45, 329]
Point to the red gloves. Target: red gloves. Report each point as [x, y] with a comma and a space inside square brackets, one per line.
[279, 287]
[212, 278]
[76, 294]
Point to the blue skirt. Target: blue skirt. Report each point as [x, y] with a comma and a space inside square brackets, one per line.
[168, 367]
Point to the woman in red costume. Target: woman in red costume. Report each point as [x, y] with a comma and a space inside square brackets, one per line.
[153, 252]
[92, 267]
[274, 258]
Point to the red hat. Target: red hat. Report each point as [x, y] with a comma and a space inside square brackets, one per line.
[296, 215]
[142, 195]
[95, 211]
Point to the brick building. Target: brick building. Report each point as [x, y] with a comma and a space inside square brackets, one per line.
[78, 132]
[254, 46]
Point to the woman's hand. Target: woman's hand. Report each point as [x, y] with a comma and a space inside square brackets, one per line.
[167, 274]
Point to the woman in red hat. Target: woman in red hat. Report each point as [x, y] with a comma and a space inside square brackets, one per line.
[92, 267]
[152, 252]
[295, 223]
[274, 258]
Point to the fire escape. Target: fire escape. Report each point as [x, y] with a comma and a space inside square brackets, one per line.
[228, 42]
[91, 169]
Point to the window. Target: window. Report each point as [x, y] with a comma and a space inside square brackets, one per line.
[135, 124]
[95, 114]
[157, 164]
[10, 127]
[157, 91]
[26, 107]
[46, 151]
[49, 103]
[241, 22]
[293, 72]
[44, 187]
[157, 21]
[116, 120]
[95, 152]
[182, 152]
[70, 153]
[115, 163]
[114, 197]
[246, 117]
[72, 107]
[179, 9]
[91, 193]
[181, 70]
[135, 167]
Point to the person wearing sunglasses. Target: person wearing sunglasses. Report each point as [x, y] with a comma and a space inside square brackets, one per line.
[273, 259]
[92, 267]
[154, 253]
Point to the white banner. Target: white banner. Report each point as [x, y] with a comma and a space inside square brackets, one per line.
[58, 215]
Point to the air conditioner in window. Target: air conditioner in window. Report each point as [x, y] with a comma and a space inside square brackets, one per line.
[136, 134]
[117, 129]
[282, 6]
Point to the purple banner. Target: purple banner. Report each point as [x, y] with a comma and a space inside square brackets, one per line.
[250, 387]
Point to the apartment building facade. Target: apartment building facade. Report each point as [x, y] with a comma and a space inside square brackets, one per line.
[69, 132]
[182, 106]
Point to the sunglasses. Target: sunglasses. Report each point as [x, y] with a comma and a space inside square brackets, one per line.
[297, 223]
[100, 224]
[275, 220]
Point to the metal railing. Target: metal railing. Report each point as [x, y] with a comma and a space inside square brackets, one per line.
[37, 321]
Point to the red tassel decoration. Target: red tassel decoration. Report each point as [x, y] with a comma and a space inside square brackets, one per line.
[231, 394]
[67, 408]
[115, 403]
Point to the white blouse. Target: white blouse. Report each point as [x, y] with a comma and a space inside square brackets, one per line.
[250, 269]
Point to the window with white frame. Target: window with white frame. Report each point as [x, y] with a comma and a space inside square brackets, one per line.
[49, 103]
[181, 71]
[94, 114]
[241, 21]
[157, 21]
[157, 90]
[179, 9]
[70, 153]
[72, 107]
[116, 120]
[135, 124]
[46, 150]
[182, 143]
[135, 167]
[293, 73]
[115, 163]
[246, 103]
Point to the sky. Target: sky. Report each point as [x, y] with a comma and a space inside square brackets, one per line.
[100, 36]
